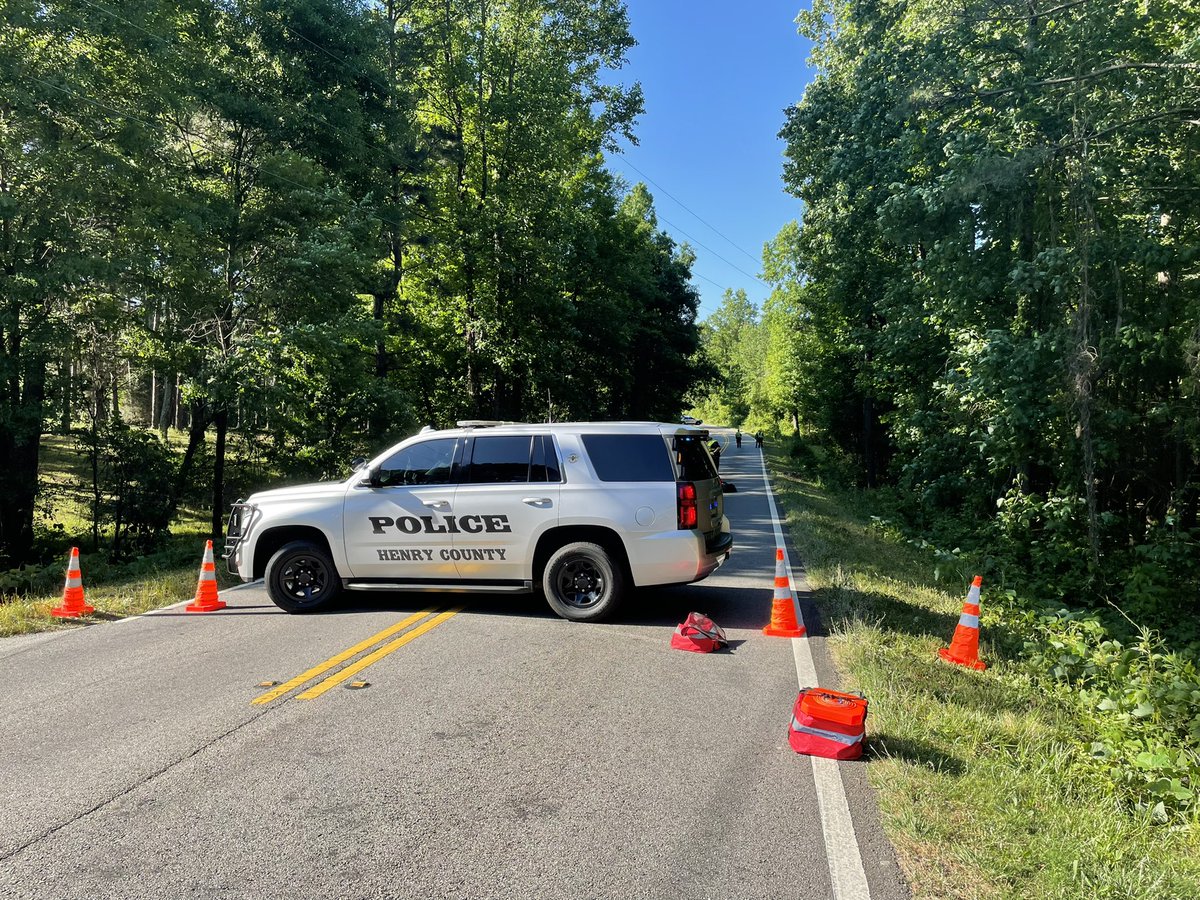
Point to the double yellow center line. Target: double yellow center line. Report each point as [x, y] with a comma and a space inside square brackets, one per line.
[354, 668]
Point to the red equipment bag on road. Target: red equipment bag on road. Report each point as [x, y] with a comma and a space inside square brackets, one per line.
[699, 634]
[828, 723]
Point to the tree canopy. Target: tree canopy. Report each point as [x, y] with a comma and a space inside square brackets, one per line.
[316, 224]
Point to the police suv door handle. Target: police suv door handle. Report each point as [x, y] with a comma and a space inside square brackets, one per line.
[436, 504]
[536, 501]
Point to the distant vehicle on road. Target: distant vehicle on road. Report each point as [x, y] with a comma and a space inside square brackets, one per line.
[690, 420]
[580, 512]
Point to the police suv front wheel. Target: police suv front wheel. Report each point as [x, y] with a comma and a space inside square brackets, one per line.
[582, 582]
[301, 578]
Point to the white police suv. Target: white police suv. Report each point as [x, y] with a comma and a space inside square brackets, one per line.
[581, 512]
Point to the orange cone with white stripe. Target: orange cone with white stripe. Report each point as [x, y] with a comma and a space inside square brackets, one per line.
[964, 649]
[73, 604]
[783, 605]
[206, 590]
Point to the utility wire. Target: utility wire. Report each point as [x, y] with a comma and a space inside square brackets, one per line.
[710, 250]
[709, 280]
[714, 228]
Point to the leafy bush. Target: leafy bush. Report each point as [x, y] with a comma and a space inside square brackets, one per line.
[134, 472]
[1140, 701]
[32, 579]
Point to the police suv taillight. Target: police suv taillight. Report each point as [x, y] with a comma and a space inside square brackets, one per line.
[685, 493]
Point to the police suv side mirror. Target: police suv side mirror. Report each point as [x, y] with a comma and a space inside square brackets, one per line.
[357, 463]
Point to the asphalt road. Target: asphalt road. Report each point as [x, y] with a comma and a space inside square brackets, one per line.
[502, 753]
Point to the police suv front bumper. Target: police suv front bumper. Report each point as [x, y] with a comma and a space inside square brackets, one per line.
[241, 516]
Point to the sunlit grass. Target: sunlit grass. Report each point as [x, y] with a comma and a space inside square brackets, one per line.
[116, 590]
[979, 774]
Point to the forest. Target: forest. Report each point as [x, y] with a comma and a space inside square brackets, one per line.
[988, 318]
[305, 228]
[991, 304]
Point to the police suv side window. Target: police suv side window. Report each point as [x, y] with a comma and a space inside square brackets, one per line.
[500, 459]
[429, 462]
[629, 457]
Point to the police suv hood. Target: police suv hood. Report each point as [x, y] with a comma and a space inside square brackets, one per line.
[299, 492]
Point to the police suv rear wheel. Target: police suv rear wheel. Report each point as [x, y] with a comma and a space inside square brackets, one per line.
[301, 578]
[582, 582]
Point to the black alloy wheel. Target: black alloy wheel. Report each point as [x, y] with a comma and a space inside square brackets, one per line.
[302, 578]
[582, 582]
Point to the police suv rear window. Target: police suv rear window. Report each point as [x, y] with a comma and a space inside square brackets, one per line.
[629, 457]
[694, 462]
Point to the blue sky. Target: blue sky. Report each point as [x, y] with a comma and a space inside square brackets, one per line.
[717, 77]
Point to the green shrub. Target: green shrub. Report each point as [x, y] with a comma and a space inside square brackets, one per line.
[1140, 700]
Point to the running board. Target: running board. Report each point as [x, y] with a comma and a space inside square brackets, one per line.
[517, 587]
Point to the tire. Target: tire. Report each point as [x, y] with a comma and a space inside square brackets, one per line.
[582, 582]
[301, 578]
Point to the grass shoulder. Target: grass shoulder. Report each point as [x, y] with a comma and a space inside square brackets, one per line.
[116, 589]
[984, 778]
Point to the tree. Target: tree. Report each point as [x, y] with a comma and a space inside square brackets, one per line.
[1000, 221]
[70, 167]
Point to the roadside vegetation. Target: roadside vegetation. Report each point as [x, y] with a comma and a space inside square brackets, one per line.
[1055, 773]
[157, 569]
[296, 231]
[984, 338]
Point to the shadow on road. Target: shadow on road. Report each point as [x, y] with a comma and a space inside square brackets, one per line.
[731, 608]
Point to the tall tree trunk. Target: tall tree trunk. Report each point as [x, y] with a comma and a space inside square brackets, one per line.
[20, 441]
[167, 413]
[68, 380]
[199, 424]
[152, 412]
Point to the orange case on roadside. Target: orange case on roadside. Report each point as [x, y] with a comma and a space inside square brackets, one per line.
[834, 706]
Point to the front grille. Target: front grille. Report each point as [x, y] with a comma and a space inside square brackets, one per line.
[235, 531]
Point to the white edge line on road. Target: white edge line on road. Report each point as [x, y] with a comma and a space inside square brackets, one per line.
[846, 872]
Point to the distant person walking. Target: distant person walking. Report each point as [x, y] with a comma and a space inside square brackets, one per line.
[738, 437]
[758, 439]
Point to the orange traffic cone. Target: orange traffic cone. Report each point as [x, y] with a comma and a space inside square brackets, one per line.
[73, 604]
[783, 607]
[964, 649]
[206, 590]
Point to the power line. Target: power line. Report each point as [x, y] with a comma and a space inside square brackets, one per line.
[712, 251]
[709, 280]
[737, 247]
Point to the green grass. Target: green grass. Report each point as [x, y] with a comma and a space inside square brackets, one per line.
[982, 776]
[116, 590]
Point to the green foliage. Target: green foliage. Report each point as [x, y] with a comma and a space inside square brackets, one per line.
[1053, 788]
[136, 475]
[1141, 701]
[991, 301]
[312, 225]
[133, 474]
